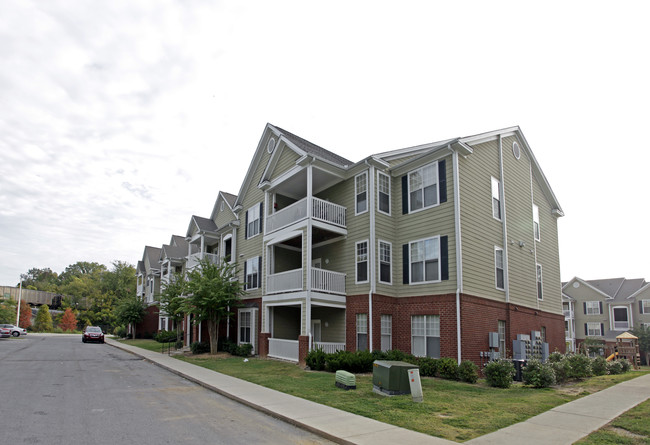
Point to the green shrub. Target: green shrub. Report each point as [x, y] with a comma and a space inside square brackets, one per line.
[179, 344]
[538, 374]
[615, 367]
[555, 357]
[399, 356]
[200, 347]
[448, 368]
[560, 369]
[225, 345]
[468, 371]
[243, 350]
[316, 359]
[354, 362]
[499, 373]
[625, 363]
[165, 336]
[579, 366]
[119, 331]
[428, 366]
[599, 366]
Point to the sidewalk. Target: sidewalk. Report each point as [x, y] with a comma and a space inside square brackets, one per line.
[562, 425]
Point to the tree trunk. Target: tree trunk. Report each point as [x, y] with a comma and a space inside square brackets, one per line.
[213, 332]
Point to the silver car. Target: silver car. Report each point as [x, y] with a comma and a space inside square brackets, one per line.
[15, 330]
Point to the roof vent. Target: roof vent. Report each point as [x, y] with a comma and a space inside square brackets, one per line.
[515, 150]
[270, 146]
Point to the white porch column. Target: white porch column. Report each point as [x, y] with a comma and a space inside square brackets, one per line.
[308, 245]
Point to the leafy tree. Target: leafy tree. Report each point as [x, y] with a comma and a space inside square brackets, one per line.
[171, 299]
[7, 311]
[43, 319]
[41, 279]
[81, 268]
[643, 332]
[130, 311]
[213, 291]
[120, 281]
[25, 319]
[68, 321]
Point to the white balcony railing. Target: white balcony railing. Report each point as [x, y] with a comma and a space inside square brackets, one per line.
[328, 281]
[568, 313]
[621, 325]
[329, 348]
[194, 259]
[289, 281]
[321, 210]
[283, 349]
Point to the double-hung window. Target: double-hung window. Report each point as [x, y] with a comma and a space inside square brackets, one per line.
[593, 329]
[423, 187]
[362, 332]
[424, 259]
[425, 335]
[383, 192]
[385, 275]
[644, 306]
[536, 222]
[361, 193]
[253, 221]
[496, 198]
[386, 332]
[593, 307]
[252, 272]
[362, 261]
[244, 327]
[539, 282]
[498, 266]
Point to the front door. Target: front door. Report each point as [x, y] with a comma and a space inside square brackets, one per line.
[315, 330]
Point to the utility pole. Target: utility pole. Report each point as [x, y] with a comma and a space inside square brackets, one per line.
[20, 296]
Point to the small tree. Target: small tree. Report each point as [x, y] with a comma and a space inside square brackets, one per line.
[7, 311]
[213, 291]
[68, 321]
[171, 299]
[43, 319]
[130, 311]
[643, 333]
[25, 319]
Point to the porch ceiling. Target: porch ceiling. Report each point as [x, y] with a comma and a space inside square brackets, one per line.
[319, 235]
[296, 186]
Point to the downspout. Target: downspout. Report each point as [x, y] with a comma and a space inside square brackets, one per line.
[532, 203]
[459, 258]
[371, 248]
[504, 225]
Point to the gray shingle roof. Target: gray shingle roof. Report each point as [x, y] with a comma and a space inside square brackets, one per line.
[205, 224]
[230, 198]
[314, 149]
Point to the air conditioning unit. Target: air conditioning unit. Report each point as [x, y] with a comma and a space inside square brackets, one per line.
[391, 377]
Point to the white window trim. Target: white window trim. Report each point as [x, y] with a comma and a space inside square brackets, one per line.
[645, 306]
[380, 174]
[539, 282]
[496, 183]
[537, 229]
[613, 318]
[503, 271]
[256, 207]
[594, 323]
[256, 262]
[389, 332]
[408, 182]
[425, 333]
[590, 303]
[252, 327]
[359, 331]
[390, 262]
[411, 283]
[356, 262]
[356, 193]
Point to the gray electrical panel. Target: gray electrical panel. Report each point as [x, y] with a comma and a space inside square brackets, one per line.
[493, 339]
[521, 348]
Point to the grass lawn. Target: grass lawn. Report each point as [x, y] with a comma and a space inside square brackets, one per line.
[452, 410]
[631, 428]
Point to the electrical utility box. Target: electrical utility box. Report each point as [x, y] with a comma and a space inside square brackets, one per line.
[521, 348]
[391, 377]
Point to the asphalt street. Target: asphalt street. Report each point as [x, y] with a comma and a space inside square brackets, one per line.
[57, 390]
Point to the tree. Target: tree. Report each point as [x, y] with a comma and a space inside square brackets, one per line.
[43, 319]
[643, 333]
[171, 299]
[7, 311]
[213, 291]
[25, 319]
[41, 279]
[120, 281]
[68, 321]
[130, 311]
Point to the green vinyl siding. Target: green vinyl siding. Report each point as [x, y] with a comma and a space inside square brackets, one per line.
[224, 217]
[335, 318]
[287, 161]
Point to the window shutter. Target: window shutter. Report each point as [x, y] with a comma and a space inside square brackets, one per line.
[600, 305]
[602, 329]
[261, 216]
[586, 331]
[405, 195]
[584, 307]
[640, 306]
[246, 228]
[259, 272]
[245, 280]
[405, 263]
[442, 180]
[444, 258]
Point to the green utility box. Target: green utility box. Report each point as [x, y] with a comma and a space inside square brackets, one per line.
[345, 380]
[391, 377]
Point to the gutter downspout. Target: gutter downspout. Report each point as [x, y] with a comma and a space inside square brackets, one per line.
[504, 224]
[371, 249]
[459, 258]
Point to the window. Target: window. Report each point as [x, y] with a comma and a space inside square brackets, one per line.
[362, 332]
[621, 322]
[252, 272]
[361, 193]
[536, 222]
[543, 332]
[425, 335]
[502, 338]
[425, 260]
[593, 329]
[423, 187]
[498, 266]
[593, 307]
[539, 282]
[244, 327]
[253, 221]
[386, 332]
[385, 275]
[644, 306]
[362, 261]
[383, 191]
[496, 198]
[227, 255]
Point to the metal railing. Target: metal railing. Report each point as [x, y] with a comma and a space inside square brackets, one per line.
[329, 347]
[321, 210]
[289, 281]
[328, 281]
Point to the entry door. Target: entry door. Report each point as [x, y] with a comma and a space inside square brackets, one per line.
[315, 330]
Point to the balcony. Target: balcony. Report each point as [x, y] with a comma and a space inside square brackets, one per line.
[621, 325]
[194, 259]
[568, 314]
[322, 280]
[283, 349]
[322, 210]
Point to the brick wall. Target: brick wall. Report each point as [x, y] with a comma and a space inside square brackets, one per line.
[149, 325]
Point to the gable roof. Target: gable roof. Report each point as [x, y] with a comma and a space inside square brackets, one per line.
[152, 255]
[615, 289]
[312, 149]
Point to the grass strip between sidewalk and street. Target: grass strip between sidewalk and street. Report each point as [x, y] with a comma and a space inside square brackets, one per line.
[452, 410]
[630, 428]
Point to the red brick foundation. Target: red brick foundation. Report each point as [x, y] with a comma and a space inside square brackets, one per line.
[149, 325]
[303, 349]
[263, 348]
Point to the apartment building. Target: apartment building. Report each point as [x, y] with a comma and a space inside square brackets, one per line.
[148, 287]
[603, 309]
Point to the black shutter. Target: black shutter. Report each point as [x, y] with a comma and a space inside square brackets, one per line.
[442, 180]
[444, 258]
[245, 282]
[600, 306]
[405, 195]
[405, 263]
[584, 307]
[246, 228]
[259, 272]
[586, 331]
[640, 306]
[261, 217]
[602, 329]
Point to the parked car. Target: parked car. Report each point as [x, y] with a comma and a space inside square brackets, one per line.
[93, 333]
[5, 332]
[14, 330]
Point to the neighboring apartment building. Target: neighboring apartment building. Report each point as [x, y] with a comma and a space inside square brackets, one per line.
[426, 249]
[148, 286]
[603, 309]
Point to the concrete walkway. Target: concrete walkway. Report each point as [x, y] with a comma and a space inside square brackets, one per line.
[562, 425]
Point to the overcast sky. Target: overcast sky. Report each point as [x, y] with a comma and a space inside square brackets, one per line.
[121, 119]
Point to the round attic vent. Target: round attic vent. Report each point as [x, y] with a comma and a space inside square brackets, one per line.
[576, 284]
[515, 150]
[270, 146]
